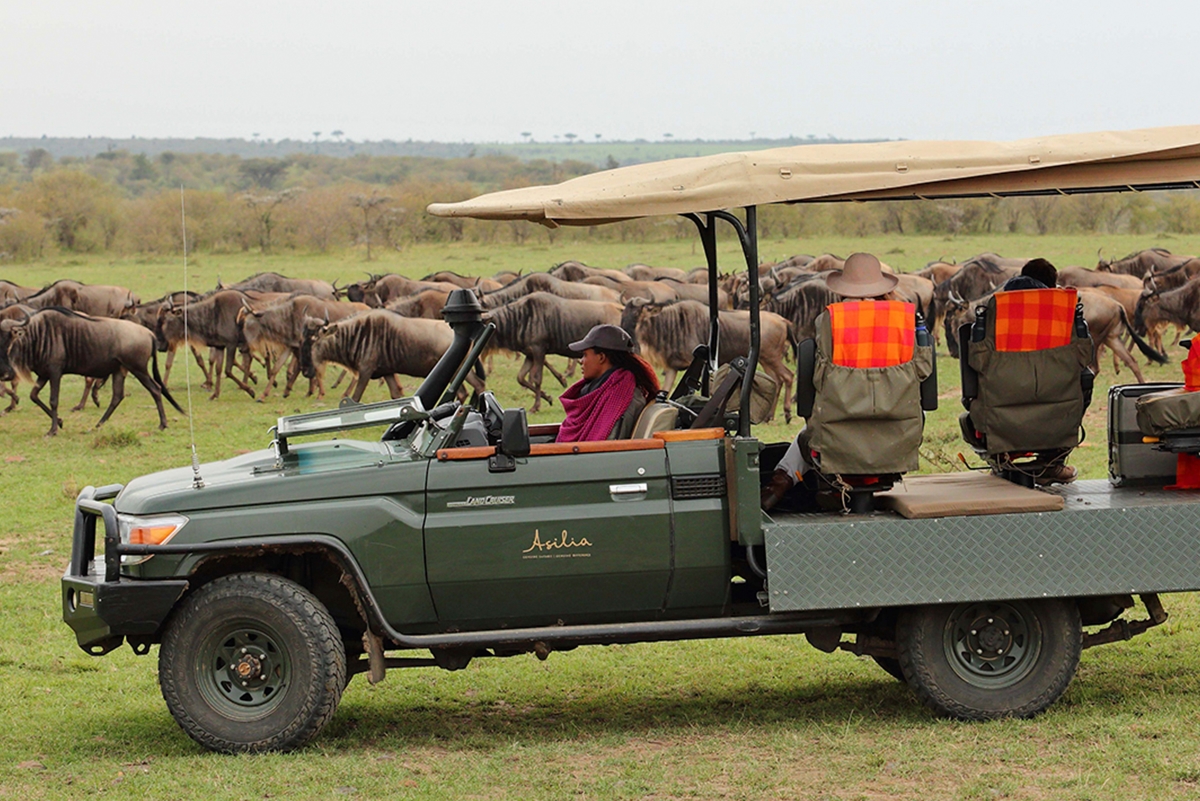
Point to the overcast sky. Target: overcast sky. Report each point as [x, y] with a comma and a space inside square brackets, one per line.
[488, 71]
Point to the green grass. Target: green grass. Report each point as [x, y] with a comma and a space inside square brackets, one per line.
[748, 718]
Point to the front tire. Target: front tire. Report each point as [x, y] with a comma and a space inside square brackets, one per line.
[995, 659]
[252, 662]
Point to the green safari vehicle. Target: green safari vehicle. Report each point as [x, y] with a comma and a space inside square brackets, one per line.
[269, 579]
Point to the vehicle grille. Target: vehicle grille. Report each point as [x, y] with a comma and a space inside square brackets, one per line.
[698, 487]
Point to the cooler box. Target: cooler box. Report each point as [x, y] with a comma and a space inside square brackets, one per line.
[1131, 461]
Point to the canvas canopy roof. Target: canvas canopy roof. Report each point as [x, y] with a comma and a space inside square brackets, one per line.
[1152, 158]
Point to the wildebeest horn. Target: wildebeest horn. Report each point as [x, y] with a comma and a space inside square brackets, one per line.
[957, 299]
[327, 317]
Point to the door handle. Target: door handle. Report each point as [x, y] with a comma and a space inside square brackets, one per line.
[617, 490]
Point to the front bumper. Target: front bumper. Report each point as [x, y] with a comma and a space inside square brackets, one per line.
[100, 606]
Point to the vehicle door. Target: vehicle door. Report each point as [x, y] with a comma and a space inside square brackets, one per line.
[576, 532]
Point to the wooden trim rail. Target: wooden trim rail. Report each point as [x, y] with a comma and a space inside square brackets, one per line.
[557, 448]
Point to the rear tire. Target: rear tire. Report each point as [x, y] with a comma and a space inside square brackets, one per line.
[252, 662]
[996, 659]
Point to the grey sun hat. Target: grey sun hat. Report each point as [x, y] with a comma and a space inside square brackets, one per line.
[605, 337]
[862, 276]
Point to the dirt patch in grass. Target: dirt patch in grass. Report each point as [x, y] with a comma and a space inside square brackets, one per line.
[22, 560]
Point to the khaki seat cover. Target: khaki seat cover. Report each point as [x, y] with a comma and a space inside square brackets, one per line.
[1031, 400]
[1160, 413]
[763, 395]
[867, 420]
[654, 418]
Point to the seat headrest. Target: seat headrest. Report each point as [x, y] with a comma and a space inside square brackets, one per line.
[872, 333]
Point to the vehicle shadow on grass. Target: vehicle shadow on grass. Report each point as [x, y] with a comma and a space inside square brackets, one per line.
[398, 717]
[391, 721]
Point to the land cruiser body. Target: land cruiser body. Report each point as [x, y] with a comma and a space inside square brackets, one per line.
[271, 578]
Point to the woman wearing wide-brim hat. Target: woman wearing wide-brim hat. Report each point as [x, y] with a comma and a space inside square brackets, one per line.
[862, 276]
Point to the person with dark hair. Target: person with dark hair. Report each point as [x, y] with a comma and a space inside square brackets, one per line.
[1036, 274]
[616, 385]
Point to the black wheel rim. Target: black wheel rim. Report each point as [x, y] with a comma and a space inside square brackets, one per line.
[992, 645]
[243, 670]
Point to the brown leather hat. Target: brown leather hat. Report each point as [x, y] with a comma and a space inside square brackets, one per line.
[862, 277]
[605, 337]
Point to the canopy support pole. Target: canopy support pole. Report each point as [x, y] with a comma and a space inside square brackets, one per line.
[708, 238]
[748, 235]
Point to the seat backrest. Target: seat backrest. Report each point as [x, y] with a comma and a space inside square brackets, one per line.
[654, 418]
[1034, 319]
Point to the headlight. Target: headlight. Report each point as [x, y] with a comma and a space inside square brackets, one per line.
[156, 530]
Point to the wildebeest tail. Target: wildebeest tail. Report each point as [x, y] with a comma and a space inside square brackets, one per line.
[1142, 345]
[158, 380]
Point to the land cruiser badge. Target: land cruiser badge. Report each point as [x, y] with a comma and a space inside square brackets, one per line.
[483, 500]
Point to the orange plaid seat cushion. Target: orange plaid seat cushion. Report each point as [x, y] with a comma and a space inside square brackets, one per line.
[872, 333]
[1034, 319]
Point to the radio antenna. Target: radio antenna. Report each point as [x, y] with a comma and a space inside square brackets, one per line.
[197, 482]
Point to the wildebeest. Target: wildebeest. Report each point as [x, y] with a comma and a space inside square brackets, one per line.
[1106, 321]
[542, 324]
[427, 304]
[800, 303]
[664, 291]
[464, 281]
[274, 282]
[1173, 277]
[96, 300]
[938, 271]
[1142, 262]
[10, 292]
[667, 335]
[644, 272]
[13, 311]
[212, 322]
[277, 331]
[380, 290]
[54, 342]
[578, 271]
[379, 344]
[1179, 306]
[544, 282]
[1082, 276]
[147, 315]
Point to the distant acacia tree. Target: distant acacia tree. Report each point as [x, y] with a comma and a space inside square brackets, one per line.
[263, 208]
[263, 173]
[372, 210]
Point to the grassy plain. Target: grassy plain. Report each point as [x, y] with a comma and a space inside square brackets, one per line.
[753, 718]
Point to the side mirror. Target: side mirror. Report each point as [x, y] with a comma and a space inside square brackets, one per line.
[514, 433]
[514, 442]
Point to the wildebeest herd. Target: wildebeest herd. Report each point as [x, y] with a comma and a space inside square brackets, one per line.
[389, 325]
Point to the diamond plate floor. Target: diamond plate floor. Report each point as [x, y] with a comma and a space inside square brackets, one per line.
[1105, 541]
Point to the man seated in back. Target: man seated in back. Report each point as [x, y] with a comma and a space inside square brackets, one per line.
[1036, 274]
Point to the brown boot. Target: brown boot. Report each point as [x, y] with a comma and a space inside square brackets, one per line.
[776, 488]
[1056, 474]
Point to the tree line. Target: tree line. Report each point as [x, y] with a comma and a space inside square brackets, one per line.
[126, 203]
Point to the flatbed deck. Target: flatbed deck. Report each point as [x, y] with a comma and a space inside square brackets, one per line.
[1105, 541]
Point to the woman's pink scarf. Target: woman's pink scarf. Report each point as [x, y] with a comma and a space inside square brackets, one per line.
[593, 416]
